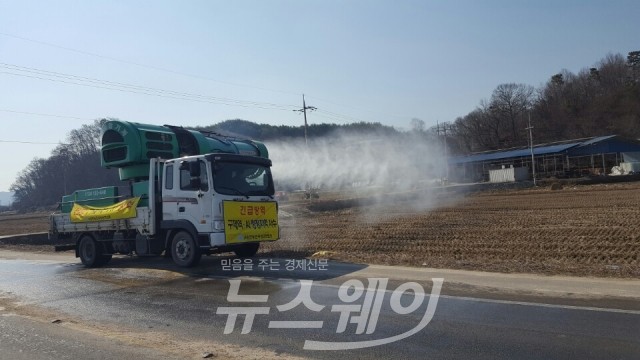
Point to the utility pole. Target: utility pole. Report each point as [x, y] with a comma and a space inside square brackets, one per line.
[443, 131]
[306, 139]
[533, 160]
[304, 111]
[64, 156]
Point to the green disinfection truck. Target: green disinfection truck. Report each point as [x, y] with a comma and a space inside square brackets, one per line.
[189, 193]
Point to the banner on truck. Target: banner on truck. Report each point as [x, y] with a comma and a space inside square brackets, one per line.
[122, 210]
[246, 221]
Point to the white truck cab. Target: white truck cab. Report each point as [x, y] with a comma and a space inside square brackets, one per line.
[224, 200]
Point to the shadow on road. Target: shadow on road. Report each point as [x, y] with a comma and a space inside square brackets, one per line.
[262, 265]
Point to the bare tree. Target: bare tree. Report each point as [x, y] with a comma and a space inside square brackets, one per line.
[71, 166]
[510, 102]
[598, 100]
[417, 125]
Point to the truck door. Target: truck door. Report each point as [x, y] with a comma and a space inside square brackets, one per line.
[187, 194]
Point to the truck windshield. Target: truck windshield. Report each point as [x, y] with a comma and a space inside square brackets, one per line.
[230, 178]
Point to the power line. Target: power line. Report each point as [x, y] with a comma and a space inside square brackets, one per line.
[131, 86]
[337, 117]
[357, 107]
[344, 117]
[70, 79]
[134, 87]
[334, 119]
[157, 68]
[123, 87]
[31, 142]
[196, 76]
[40, 114]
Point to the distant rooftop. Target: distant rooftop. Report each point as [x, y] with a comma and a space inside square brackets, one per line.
[540, 149]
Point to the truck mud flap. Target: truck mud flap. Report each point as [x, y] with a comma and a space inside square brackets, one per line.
[65, 247]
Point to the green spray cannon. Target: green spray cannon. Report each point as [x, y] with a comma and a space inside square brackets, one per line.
[128, 146]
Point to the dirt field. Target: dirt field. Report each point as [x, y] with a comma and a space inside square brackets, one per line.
[582, 230]
[11, 224]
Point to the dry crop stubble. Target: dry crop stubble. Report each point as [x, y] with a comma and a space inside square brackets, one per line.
[584, 230]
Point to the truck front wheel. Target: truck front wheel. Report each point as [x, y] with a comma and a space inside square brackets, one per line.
[184, 250]
[91, 252]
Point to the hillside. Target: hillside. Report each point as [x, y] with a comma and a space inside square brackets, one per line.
[251, 130]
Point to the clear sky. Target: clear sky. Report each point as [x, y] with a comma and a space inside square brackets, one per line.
[366, 60]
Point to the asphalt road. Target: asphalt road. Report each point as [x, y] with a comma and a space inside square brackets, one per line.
[138, 308]
[24, 338]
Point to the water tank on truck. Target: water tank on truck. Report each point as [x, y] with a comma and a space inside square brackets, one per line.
[128, 146]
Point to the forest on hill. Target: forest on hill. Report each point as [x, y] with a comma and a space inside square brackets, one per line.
[265, 132]
[600, 100]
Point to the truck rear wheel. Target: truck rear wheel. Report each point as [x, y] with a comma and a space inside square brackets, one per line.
[246, 250]
[184, 250]
[91, 252]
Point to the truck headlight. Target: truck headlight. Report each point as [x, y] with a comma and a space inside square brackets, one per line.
[218, 225]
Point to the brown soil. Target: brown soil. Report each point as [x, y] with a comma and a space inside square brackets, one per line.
[578, 230]
[11, 224]
[584, 230]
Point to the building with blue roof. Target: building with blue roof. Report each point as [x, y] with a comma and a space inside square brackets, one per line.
[573, 158]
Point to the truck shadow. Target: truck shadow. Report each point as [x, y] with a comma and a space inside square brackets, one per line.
[279, 265]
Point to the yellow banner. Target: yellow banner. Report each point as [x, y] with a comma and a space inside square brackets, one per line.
[246, 221]
[122, 210]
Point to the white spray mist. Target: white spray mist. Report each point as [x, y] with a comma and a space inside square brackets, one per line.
[382, 164]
